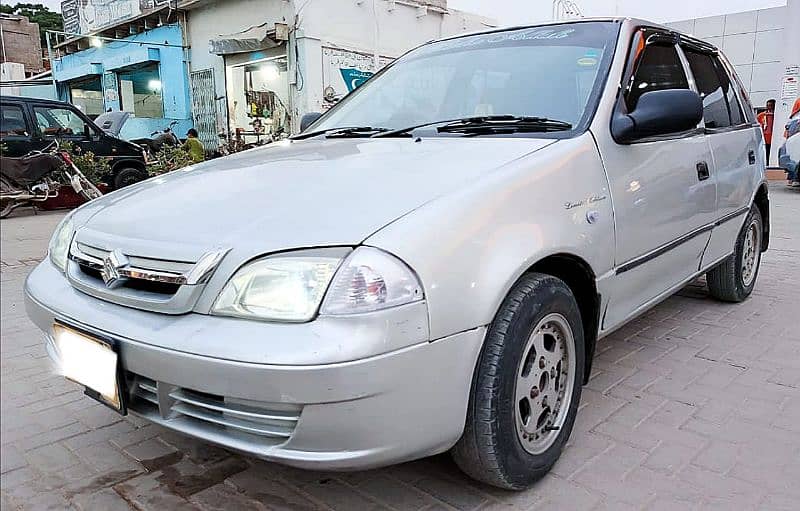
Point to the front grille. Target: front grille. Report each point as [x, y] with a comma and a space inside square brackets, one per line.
[147, 286]
[270, 423]
[157, 285]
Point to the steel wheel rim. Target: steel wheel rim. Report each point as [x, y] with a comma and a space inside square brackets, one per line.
[751, 253]
[545, 381]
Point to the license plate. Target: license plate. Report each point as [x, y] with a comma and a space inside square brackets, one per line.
[91, 362]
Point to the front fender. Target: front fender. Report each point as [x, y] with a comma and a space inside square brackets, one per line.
[470, 246]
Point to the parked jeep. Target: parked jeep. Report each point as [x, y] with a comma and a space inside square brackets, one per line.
[31, 124]
[429, 266]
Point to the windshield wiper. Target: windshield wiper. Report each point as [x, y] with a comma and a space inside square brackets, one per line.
[504, 124]
[487, 124]
[343, 132]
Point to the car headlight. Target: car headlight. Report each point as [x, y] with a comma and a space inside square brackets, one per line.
[58, 249]
[291, 286]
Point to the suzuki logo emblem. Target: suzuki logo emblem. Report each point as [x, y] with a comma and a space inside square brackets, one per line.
[113, 262]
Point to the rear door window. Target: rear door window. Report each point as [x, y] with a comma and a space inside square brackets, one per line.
[707, 81]
[12, 122]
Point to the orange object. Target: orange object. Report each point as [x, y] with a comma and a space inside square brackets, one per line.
[796, 107]
[766, 119]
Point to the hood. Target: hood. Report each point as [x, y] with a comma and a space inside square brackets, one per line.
[112, 122]
[291, 194]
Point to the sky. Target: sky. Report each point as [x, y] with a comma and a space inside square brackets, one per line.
[511, 12]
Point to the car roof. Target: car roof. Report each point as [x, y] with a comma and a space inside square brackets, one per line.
[632, 22]
[20, 99]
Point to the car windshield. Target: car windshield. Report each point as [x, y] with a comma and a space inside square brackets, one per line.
[547, 71]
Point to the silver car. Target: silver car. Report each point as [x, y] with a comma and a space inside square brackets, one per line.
[430, 264]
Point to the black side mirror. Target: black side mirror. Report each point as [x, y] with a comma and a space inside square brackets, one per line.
[308, 119]
[87, 132]
[659, 112]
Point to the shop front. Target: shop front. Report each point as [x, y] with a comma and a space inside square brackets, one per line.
[256, 84]
[144, 74]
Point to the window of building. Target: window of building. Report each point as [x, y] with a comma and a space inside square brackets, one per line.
[12, 122]
[87, 95]
[715, 107]
[58, 122]
[659, 68]
[140, 91]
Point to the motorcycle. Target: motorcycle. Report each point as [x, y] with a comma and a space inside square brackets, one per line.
[159, 139]
[33, 178]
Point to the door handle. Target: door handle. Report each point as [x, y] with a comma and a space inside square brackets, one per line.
[751, 157]
[702, 171]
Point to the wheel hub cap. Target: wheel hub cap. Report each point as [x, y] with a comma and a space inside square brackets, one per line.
[751, 253]
[545, 380]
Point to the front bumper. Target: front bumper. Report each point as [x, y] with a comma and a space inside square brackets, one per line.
[354, 414]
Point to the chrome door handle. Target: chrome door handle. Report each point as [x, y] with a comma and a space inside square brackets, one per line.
[702, 171]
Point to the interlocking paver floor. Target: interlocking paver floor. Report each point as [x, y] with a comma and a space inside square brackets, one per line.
[694, 405]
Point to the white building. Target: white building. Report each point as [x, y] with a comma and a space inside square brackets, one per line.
[259, 65]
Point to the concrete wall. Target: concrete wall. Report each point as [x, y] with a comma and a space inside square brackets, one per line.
[21, 43]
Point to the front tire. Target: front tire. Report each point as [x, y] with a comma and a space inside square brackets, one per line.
[128, 176]
[526, 387]
[734, 279]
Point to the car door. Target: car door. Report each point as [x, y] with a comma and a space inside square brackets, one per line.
[15, 131]
[663, 195]
[735, 148]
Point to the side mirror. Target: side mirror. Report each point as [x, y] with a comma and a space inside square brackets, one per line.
[87, 132]
[308, 119]
[659, 112]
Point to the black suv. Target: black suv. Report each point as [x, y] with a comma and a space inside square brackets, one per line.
[29, 124]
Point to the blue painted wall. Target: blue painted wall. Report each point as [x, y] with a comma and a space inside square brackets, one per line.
[109, 58]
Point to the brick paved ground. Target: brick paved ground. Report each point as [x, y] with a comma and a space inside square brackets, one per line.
[697, 404]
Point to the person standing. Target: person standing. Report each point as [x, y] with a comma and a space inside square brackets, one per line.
[194, 147]
[766, 119]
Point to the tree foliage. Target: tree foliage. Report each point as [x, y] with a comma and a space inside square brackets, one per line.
[36, 13]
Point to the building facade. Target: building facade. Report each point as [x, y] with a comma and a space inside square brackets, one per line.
[136, 64]
[21, 43]
[264, 64]
[243, 69]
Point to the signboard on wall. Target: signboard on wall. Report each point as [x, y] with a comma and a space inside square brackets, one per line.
[344, 70]
[84, 16]
[790, 85]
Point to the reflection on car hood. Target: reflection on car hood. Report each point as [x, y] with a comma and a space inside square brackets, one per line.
[297, 194]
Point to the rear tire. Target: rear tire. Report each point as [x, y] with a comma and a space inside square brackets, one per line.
[734, 279]
[526, 386]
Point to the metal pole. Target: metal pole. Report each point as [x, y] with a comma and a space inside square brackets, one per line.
[52, 63]
[3, 40]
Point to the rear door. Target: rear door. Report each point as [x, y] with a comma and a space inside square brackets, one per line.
[735, 147]
[15, 130]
